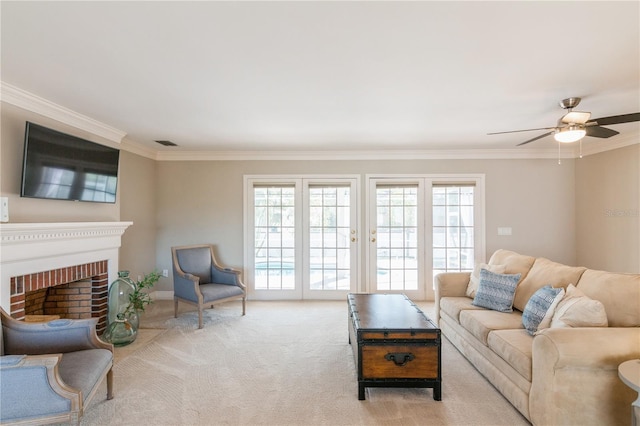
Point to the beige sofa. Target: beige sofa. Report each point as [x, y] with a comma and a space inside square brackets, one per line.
[559, 376]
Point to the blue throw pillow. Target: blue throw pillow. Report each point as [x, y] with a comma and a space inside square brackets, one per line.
[538, 306]
[496, 291]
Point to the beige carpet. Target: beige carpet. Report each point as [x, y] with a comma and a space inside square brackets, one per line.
[284, 363]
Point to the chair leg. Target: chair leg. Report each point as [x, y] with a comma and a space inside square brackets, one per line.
[175, 308]
[200, 324]
[110, 384]
[244, 305]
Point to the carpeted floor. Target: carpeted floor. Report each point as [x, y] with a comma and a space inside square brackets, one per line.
[284, 363]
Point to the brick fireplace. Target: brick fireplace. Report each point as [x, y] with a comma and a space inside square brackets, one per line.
[76, 261]
[75, 292]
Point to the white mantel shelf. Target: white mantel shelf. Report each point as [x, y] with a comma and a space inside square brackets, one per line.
[20, 232]
[33, 247]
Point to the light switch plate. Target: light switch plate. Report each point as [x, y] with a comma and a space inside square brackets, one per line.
[4, 209]
[504, 231]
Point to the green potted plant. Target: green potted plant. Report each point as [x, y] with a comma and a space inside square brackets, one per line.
[139, 299]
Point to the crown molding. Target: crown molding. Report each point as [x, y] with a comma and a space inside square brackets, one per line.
[33, 103]
[137, 148]
[477, 154]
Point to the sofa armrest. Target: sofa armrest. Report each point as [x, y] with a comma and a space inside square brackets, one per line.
[451, 284]
[26, 379]
[575, 375]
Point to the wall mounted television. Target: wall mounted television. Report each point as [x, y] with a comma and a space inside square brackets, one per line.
[64, 167]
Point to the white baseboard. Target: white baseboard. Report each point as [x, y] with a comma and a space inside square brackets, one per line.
[161, 295]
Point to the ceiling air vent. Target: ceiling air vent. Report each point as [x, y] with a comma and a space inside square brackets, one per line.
[166, 143]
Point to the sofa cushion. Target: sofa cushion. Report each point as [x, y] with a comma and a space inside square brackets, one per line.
[545, 272]
[515, 347]
[453, 305]
[540, 308]
[619, 293]
[514, 263]
[578, 310]
[496, 291]
[474, 279]
[481, 323]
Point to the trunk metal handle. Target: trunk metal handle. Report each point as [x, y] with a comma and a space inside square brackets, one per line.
[399, 358]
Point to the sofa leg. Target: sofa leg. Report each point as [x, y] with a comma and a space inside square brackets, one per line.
[110, 384]
[200, 323]
[175, 308]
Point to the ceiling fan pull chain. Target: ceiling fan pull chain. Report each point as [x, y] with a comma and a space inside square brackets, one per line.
[559, 160]
[580, 148]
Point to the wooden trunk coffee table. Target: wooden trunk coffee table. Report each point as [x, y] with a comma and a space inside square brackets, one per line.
[394, 343]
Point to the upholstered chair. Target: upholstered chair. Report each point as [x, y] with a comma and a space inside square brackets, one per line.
[49, 372]
[199, 280]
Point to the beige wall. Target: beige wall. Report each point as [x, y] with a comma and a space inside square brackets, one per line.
[608, 210]
[201, 201]
[138, 205]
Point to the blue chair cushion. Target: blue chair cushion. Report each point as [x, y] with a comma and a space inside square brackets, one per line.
[82, 369]
[213, 292]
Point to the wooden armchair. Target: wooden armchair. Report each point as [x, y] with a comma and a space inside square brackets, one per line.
[49, 372]
[199, 280]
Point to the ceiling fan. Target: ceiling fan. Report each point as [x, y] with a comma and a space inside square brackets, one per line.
[575, 125]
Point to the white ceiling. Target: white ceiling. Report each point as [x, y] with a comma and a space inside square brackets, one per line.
[328, 76]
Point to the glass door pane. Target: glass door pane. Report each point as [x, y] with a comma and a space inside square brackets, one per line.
[453, 228]
[274, 243]
[397, 240]
[331, 240]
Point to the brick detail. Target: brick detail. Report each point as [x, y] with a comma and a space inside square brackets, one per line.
[79, 291]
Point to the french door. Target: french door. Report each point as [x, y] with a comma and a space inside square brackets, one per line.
[304, 237]
[420, 226]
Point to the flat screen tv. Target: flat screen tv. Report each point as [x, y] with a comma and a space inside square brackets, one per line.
[64, 167]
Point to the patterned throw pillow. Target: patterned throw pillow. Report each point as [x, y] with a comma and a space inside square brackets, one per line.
[474, 279]
[496, 291]
[541, 305]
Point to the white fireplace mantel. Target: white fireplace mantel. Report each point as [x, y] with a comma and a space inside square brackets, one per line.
[26, 248]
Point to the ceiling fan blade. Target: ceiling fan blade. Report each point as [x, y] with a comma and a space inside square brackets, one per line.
[525, 130]
[616, 119]
[600, 132]
[576, 117]
[537, 137]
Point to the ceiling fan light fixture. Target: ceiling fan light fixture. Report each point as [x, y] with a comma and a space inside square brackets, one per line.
[569, 134]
